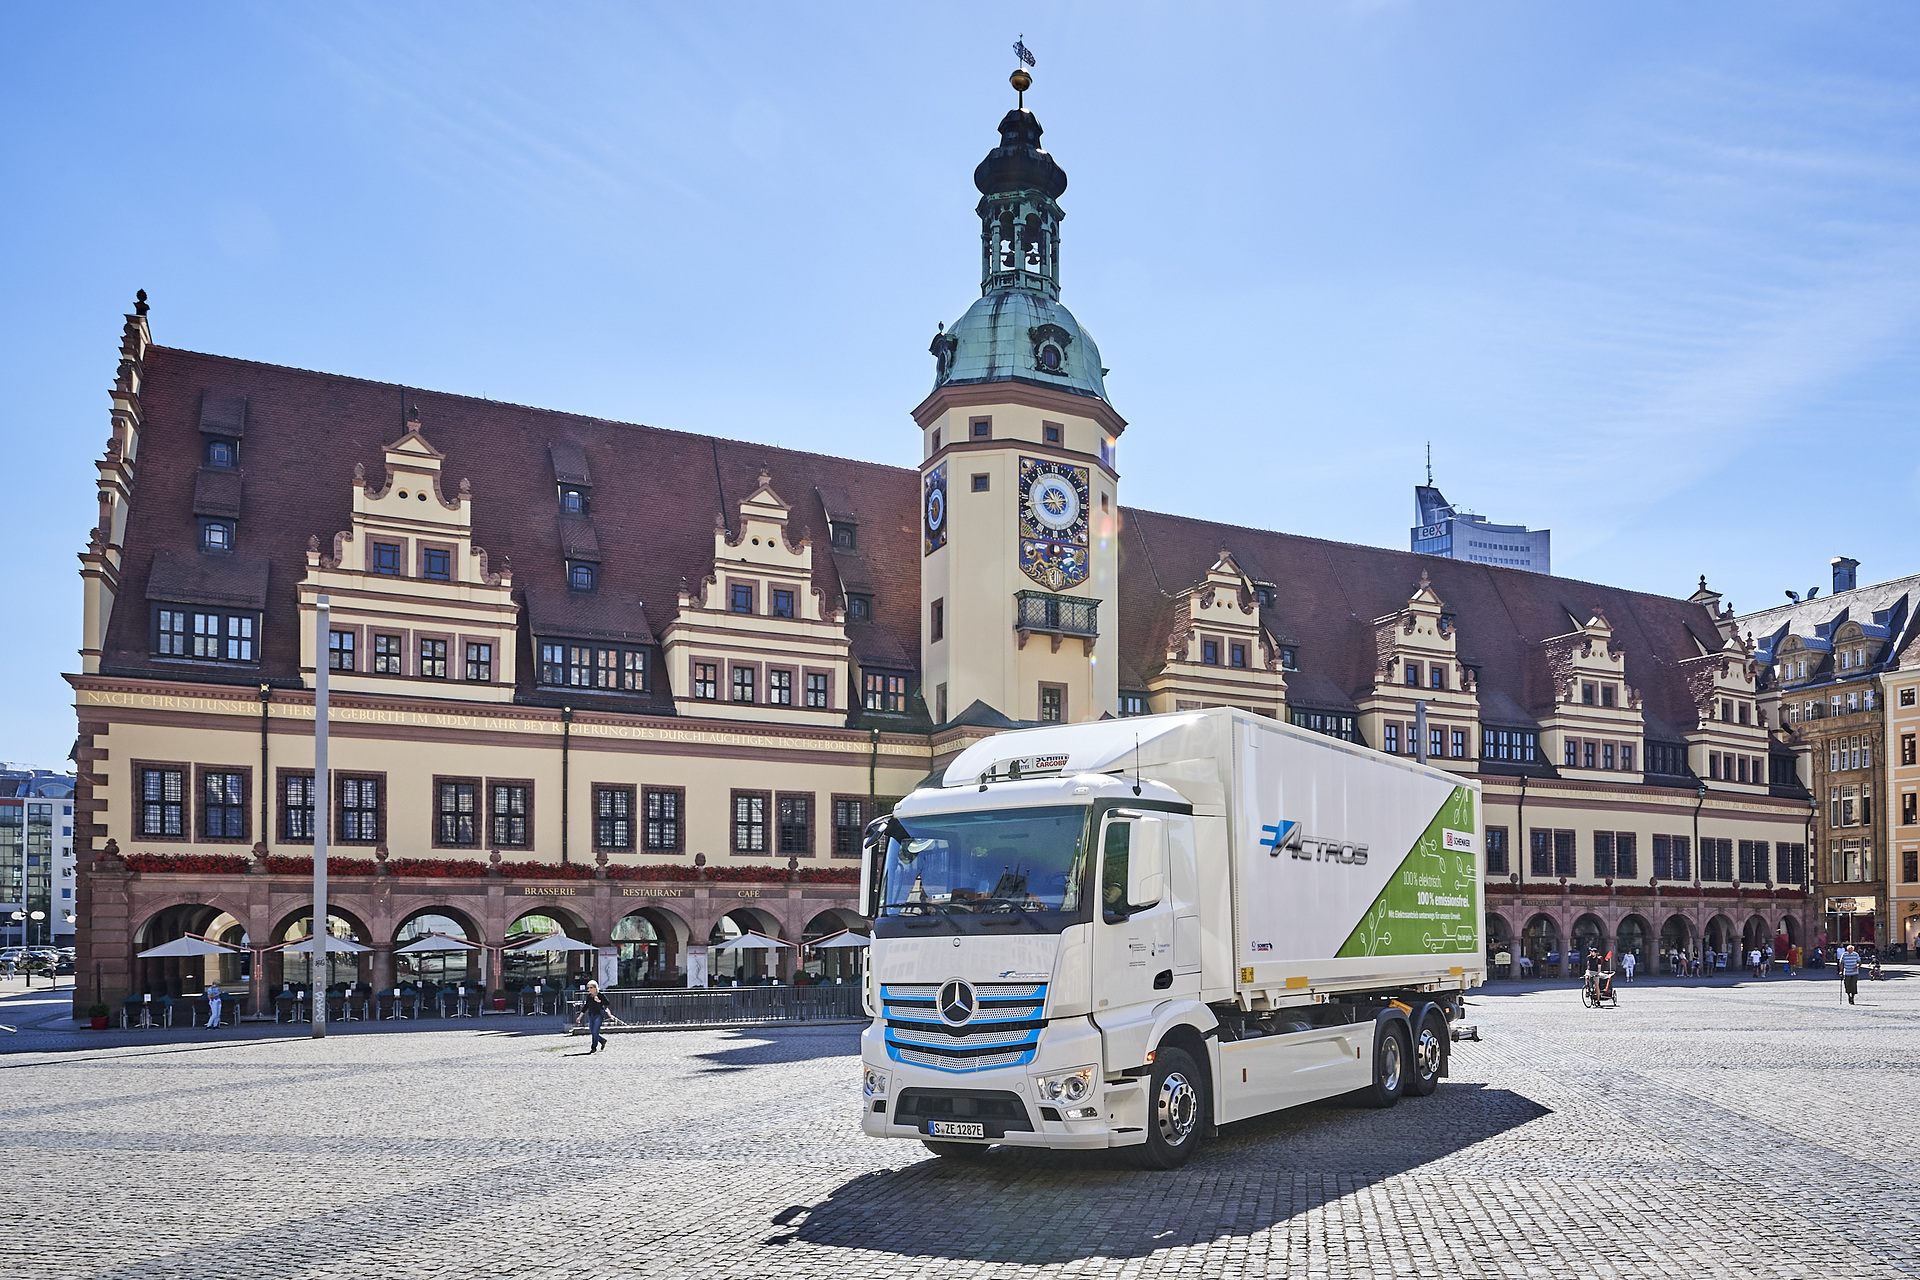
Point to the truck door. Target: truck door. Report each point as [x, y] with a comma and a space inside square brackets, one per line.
[1133, 959]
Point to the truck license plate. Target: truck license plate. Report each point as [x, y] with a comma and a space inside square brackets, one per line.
[955, 1129]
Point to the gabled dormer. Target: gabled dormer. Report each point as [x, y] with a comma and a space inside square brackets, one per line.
[1218, 653]
[416, 610]
[1727, 746]
[1591, 724]
[1417, 661]
[754, 639]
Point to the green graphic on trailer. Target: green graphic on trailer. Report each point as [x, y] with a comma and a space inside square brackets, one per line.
[1432, 904]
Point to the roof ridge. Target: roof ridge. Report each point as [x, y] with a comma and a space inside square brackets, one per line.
[529, 408]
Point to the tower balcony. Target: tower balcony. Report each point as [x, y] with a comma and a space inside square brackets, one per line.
[1056, 617]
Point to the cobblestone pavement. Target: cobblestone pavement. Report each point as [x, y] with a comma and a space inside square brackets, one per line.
[1726, 1129]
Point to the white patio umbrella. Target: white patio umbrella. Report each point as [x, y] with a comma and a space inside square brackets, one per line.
[845, 938]
[332, 945]
[552, 942]
[191, 945]
[751, 942]
[436, 942]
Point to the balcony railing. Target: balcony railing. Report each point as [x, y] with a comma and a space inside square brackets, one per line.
[1058, 617]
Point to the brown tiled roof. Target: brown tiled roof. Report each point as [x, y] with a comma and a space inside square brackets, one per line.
[186, 577]
[655, 496]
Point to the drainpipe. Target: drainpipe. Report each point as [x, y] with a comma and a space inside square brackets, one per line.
[266, 832]
[873, 771]
[1526, 842]
[1420, 730]
[566, 743]
[1700, 794]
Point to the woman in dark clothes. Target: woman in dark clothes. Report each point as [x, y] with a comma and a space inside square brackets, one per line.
[594, 1009]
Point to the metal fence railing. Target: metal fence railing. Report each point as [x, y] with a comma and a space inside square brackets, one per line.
[707, 1006]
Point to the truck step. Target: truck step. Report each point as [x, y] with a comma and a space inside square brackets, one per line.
[1465, 1032]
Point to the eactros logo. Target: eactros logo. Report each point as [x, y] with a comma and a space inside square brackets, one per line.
[957, 1001]
[1292, 837]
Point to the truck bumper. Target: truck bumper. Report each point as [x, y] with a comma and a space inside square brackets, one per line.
[1067, 1045]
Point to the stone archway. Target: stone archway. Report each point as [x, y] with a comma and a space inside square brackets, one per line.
[1755, 935]
[1676, 943]
[176, 975]
[743, 967]
[836, 964]
[454, 967]
[520, 969]
[1634, 937]
[652, 944]
[286, 969]
[1588, 931]
[1499, 942]
[1540, 947]
[1720, 938]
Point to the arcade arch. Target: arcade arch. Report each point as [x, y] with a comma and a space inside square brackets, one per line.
[298, 968]
[835, 963]
[1539, 940]
[524, 968]
[456, 965]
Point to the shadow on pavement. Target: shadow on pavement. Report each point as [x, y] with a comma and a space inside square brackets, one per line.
[1292, 1162]
[773, 1045]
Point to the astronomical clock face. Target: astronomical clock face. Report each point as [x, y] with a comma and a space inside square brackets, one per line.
[1053, 522]
[933, 512]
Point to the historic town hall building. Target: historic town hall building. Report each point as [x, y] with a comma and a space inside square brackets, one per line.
[648, 686]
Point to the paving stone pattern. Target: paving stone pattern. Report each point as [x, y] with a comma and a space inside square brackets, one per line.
[1713, 1129]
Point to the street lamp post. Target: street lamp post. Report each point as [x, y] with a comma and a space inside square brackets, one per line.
[317, 968]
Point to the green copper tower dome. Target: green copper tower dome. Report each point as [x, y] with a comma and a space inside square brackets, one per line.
[1018, 331]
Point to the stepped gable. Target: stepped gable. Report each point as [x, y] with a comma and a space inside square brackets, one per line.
[655, 494]
[1330, 593]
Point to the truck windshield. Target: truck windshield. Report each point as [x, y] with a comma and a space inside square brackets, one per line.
[994, 862]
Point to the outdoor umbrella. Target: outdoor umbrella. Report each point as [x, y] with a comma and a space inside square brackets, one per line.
[752, 942]
[188, 946]
[333, 944]
[845, 938]
[436, 942]
[552, 942]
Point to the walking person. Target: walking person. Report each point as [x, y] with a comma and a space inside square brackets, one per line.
[213, 994]
[1850, 972]
[594, 1010]
[1627, 962]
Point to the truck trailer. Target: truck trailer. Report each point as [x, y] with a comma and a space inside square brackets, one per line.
[1126, 933]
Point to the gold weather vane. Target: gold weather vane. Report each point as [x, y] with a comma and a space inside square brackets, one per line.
[1020, 80]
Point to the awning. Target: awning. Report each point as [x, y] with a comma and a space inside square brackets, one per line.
[436, 942]
[752, 942]
[191, 945]
[845, 938]
[551, 942]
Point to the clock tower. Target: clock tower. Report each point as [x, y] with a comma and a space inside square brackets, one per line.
[1019, 492]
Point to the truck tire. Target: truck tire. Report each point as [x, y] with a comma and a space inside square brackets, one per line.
[1392, 1059]
[956, 1150]
[1429, 1055]
[1176, 1111]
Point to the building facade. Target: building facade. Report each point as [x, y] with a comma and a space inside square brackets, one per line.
[1439, 529]
[1833, 668]
[36, 857]
[647, 687]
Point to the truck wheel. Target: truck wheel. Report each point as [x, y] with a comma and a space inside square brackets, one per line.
[1391, 1060]
[956, 1150]
[1176, 1108]
[1429, 1055]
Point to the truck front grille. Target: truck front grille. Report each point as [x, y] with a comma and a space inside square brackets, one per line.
[1004, 1030]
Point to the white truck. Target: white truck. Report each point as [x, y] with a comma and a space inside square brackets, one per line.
[1125, 933]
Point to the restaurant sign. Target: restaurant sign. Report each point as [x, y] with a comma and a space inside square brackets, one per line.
[1855, 906]
[631, 892]
[546, 891]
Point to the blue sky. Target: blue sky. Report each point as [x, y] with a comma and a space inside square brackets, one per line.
[1646, 274]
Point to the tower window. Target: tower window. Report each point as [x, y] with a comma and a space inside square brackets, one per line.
[859, 608]
[580, 575]
[573, 500]
[938, 623]
[216, 535]
[222, 452]
[1050, 359]
[982, 428]
[1050, 431]
[982, 483]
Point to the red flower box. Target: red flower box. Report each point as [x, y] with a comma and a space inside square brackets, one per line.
[186, 863]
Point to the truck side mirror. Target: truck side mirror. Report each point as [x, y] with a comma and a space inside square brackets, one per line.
[1147, 863]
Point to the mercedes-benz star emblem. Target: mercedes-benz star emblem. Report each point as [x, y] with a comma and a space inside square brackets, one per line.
[957, 1001]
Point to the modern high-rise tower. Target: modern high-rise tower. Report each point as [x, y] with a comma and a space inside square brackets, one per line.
[1440, 529]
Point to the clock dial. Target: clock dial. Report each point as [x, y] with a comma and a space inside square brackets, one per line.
[936, 511]
[1053, 503]
[933, 513]
[1053, 522]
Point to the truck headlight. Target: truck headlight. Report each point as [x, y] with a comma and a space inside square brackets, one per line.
[873, 1083]
[1066, 1086]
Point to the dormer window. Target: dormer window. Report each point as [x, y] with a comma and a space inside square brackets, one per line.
[1439, 677]
[844, 536]
[1413, 675]
[216, 535]
[1264, 594]
[1210, 652]
[859, 608]
[386, 558]
[1606, 695]
[573, 500]
[222, 452]
[1050, 357]
[581, 575]
[1289, 658]
[1589, 694]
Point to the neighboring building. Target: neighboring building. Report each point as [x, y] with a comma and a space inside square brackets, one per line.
[36, 856]
[1440, 529]
[648, 687]
[1829, 664]
[1900, 693]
